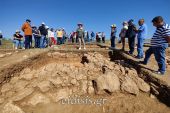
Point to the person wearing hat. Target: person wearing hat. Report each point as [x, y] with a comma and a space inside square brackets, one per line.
[80, 35]
[18, 40]
[1, 36]
[131, 35]
[122, 34]
[43, 33]
[37, 36]
[27, 29]
[113, 35]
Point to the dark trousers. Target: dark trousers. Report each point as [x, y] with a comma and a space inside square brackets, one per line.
[103, 39]
[159, 53]
[37, 41]
[28, 41]
[113, 41]
[59, 40]
[131, 42]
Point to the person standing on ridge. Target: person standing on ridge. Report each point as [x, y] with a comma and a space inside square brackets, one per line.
[131, 35]
[113, 35]
[141, 36]
[122, 34]
[27, 29]
[80, 35]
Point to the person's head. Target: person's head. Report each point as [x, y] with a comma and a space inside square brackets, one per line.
[158, 21]
[125, 23]
[17, 32]
[43, 24]
[28, 20]
[130, 22]
[34, 27]
[80, 25]
[141, 22]
[113, 26]
[52, 29]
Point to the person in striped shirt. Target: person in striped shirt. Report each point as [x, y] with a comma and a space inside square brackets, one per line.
[159, 43]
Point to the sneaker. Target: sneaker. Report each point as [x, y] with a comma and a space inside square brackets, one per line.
[139, 57]
[79, 48]
[160, 73]
[16, 48]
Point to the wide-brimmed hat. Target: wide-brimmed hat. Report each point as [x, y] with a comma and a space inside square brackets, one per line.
[43, 23]
[33, 26]
[131, 21]
[125, 22]
[80, 24]
[113, 26]
[17, 31]
[28, 20]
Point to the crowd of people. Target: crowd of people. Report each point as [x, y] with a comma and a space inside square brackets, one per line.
[47, 37]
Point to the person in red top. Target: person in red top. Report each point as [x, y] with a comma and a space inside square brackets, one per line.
[27, 29]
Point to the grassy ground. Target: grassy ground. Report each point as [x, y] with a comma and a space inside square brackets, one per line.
[6, 44]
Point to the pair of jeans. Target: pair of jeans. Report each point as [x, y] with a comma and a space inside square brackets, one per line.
[42, 41]
[18, 43]
[113, 41]
[28, 41]
[131, 42]
[37, 41]
[140, 47]
[159, 53]
[59, 40]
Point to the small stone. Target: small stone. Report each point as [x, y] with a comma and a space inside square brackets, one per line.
[28, 77]
[22, 94]
[152, 96]
[44, 86]
[73, 81]
[6, 87]
[2, 55]
[25, 56]
[56, 82]
[38, 99]
[90, 90]
[11, 108]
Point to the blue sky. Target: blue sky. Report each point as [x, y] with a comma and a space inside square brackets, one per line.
[97, 15]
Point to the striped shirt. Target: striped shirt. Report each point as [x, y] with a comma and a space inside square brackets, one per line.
[158, 38]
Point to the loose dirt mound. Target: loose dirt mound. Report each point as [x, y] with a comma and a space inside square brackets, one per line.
[56, 81]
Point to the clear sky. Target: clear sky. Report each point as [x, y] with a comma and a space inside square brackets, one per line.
[96, 15]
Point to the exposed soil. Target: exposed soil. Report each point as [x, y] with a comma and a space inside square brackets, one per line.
[52, 76]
